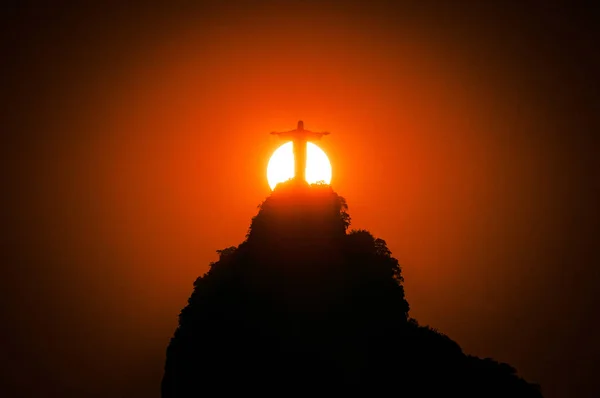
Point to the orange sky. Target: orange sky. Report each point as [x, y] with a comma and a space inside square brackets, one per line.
[148, 145]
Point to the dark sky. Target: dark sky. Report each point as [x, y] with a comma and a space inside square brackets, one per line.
[136, 142]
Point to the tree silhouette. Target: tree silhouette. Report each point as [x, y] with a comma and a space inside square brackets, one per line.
[304, 305]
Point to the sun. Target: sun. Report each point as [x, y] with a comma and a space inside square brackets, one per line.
[281, 165]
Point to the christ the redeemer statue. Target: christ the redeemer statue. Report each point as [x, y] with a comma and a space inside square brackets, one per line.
[300, 138]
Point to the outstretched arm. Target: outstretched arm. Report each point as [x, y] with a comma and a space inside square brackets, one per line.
[316, 136]
[283, 132]
[300, 134]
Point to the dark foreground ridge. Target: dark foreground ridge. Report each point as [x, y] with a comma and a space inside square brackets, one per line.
[304, 306]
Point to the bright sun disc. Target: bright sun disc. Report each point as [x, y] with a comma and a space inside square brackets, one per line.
[281, 165]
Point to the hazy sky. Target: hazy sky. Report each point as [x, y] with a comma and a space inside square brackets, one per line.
[137, 141]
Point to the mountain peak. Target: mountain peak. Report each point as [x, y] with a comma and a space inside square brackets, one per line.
[304, 303]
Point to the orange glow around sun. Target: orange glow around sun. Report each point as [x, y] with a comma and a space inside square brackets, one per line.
[281, 165]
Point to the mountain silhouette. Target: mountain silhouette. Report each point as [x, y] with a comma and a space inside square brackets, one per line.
[305, 305]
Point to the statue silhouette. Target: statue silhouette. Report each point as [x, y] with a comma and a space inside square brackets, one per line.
[300, 138]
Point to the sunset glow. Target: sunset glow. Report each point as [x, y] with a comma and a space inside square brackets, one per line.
[281, 165]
